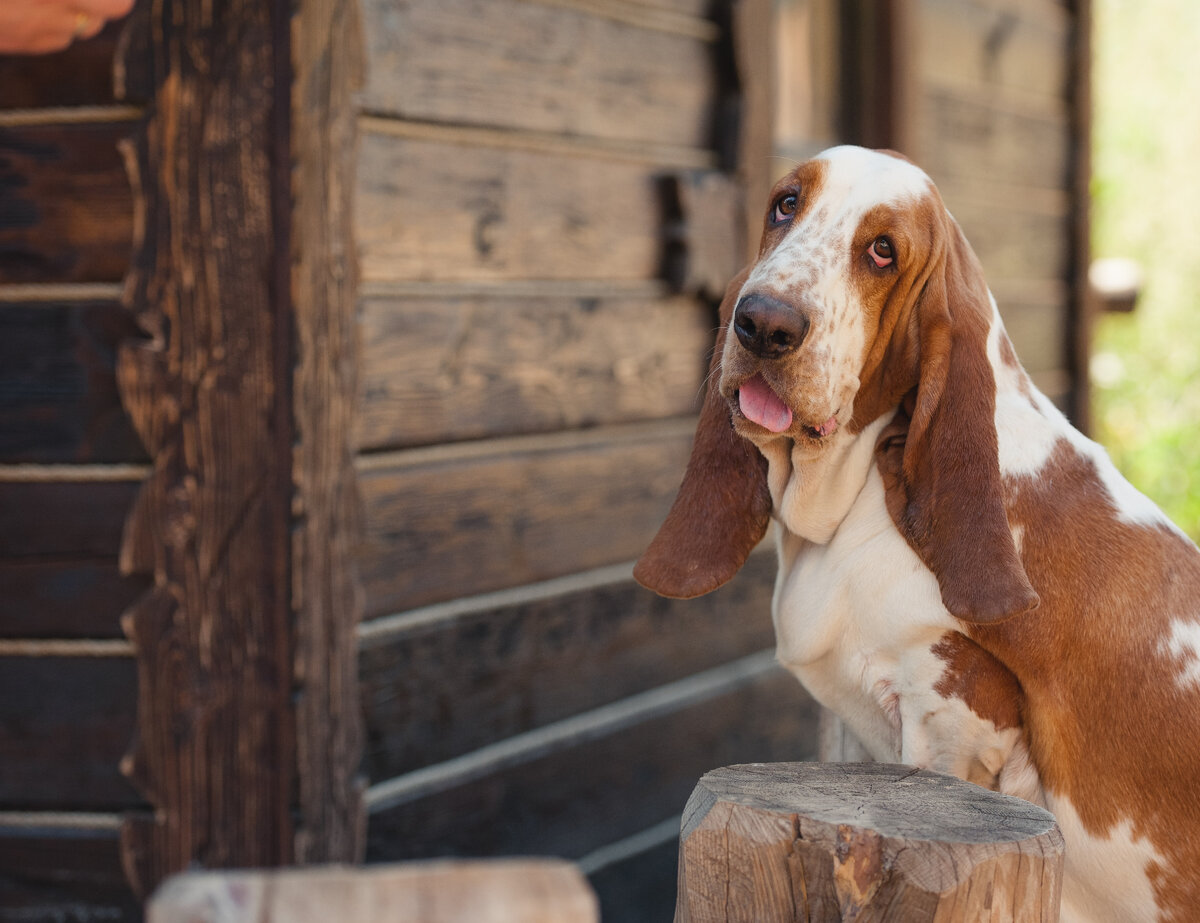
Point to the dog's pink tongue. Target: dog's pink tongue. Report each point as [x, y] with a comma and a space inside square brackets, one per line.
[760, 405]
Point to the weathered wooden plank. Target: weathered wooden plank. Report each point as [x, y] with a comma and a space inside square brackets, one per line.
[751, 41]
[79, 76]
[441, 370]
[1012, 243]
[572, 801]
[525, 665]
[705, 247]
[877, 74]
[965, 134]
[1039, 332]
[58, 388]
[519, 65]
[65, 598]
[997, 46]
[698, 8]
[59, 872]
[443, 524]
[209, 394]
[1049, 12]
[66, 203]
[63, 519]
[438, 211]
[66, 723]
[476, 891]
[326, 601]
[639, 888]
[1078, 403]
[812, 99]
[649, 13]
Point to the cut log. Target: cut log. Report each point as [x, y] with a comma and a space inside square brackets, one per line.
[862, 842]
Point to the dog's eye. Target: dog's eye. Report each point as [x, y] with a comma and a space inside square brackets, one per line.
[881, 251]
[785, 207]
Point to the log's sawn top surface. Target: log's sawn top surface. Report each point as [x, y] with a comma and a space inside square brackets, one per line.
[893, 800]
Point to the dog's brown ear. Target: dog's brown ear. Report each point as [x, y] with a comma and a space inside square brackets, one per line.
[723, 506]
[939, 458]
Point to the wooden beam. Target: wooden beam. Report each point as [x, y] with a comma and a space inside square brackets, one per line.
[67, 214]
[576, 785]
[752, 25]
[877, 79]
[435, 368]
[473, 517]
[622, 78]
[508, 891]
[60, 865]
[1080, 102]
[214, 752]
[66, 719]
[326, 600]
[60, 392]
[542, 659]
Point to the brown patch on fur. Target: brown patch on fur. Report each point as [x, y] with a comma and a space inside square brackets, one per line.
[1008, 356]
[1108, 723]
[979, 679]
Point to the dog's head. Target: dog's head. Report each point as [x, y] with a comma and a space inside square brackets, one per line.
[848, 243]
[865, 299]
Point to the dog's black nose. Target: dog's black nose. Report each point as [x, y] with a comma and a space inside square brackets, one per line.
[767, 327]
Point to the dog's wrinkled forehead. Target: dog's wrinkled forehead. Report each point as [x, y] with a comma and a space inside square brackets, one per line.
[838, 189]
[858, 179]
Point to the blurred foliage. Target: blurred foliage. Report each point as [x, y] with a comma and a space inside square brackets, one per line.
[1146, 205]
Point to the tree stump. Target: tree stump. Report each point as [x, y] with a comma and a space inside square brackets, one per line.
[858, 842]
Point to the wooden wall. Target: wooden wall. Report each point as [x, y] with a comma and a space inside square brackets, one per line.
[996, 113]
[528, 390]
[69, 466]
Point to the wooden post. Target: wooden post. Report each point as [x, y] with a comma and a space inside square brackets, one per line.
[754, 60]
[207, 389]
[327, 67]
[836, 743]
[776, 842]
[242, 388]
[501, 891]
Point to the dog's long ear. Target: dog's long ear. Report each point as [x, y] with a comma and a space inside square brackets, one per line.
[939, 458]
[723, 506]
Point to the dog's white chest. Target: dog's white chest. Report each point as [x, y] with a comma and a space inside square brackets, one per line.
[857, 620]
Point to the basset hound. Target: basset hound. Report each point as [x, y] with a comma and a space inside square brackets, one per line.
[963, 577]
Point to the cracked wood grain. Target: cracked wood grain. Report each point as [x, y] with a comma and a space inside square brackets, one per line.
[862, 842]
[241, 389]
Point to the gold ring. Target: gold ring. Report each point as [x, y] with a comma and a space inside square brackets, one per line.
[83, 22]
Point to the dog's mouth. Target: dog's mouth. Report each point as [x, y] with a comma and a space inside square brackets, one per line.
[758, 403]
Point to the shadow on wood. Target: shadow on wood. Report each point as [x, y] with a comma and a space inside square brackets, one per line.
[862, 842]
[502, 891]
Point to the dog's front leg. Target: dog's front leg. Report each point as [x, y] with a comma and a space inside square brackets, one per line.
[960, 711]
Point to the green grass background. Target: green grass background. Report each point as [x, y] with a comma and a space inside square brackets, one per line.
[1146, 205]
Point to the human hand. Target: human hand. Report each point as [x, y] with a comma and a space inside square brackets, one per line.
[39, 26]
